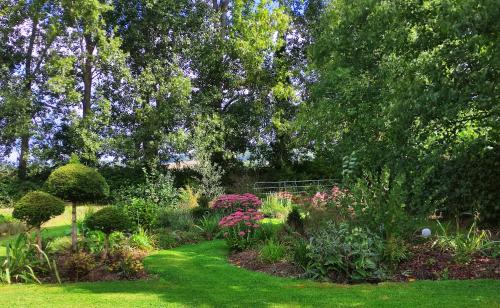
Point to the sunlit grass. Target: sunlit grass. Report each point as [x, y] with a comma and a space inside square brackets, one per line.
[200, 276]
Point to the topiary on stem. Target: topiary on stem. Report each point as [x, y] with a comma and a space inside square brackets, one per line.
[77, 183]
[108, 220]
[37, 207]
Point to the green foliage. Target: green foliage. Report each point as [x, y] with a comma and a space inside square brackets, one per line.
[59, 245]
[209, 226]
[410, 85]
[300, 253]
[465, 245]
[167, 239]
[272, 251]
[142, 240]
[37, 207]
[276, 207]
[295, 220]
[108, 220]
[267, 231]
[22, 261]
[141, 212]
[77, 183]
[345, 253]
[380, 205]
[175, 219]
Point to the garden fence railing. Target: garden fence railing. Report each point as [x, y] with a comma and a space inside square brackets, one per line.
[295, 186]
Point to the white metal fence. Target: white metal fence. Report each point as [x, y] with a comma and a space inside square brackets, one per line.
[292, 186]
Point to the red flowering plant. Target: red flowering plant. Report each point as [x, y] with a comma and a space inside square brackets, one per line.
[232, 203]
[239, 228]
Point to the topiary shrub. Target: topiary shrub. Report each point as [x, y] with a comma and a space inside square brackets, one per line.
[36, 208]
[77, 183]
[108, 220]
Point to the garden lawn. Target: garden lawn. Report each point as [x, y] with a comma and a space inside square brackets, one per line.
[199, 276]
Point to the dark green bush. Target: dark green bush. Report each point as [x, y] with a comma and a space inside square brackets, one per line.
[77, 183]
[108, 220]
[295, 220]
[37, 207]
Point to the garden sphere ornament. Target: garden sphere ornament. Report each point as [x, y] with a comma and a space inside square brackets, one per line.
[426, 232]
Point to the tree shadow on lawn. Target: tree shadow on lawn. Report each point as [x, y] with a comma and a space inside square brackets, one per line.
[200, 276]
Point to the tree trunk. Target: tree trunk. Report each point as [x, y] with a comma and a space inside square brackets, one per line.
[22, 170]
[87, 75]
[73, 227]
[25, 137]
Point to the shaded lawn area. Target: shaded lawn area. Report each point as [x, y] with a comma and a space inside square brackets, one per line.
[199, 276]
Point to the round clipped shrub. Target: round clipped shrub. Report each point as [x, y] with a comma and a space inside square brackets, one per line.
[37, 207]
[108, 220]
[77, 183]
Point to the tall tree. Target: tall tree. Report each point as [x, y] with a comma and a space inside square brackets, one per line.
[30, 29]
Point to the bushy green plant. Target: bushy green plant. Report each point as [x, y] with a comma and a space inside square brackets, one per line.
[295, 221]
[141, 212]
[158, 189]
[209, 226]
[107, 220]
[276, 207]
[20, 262]
[166, 239]
[77, 183]
[174, 218]
[342, 252]
[59, 245]
[36, 208]
[188, 198]
[142, 240]
[464, 245]
[272, 251]
[267, 231]
[300, 253]
[379, 203]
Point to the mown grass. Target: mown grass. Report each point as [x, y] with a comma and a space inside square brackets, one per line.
[200, 276]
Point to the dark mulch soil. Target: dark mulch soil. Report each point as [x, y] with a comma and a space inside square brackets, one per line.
[427, 262]
[250, 260]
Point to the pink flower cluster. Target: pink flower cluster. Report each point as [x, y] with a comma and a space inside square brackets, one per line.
[321, 198]
[234, 202]
[248, 218]
[285, 195]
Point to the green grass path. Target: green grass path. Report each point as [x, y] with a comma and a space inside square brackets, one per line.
[199, 276]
